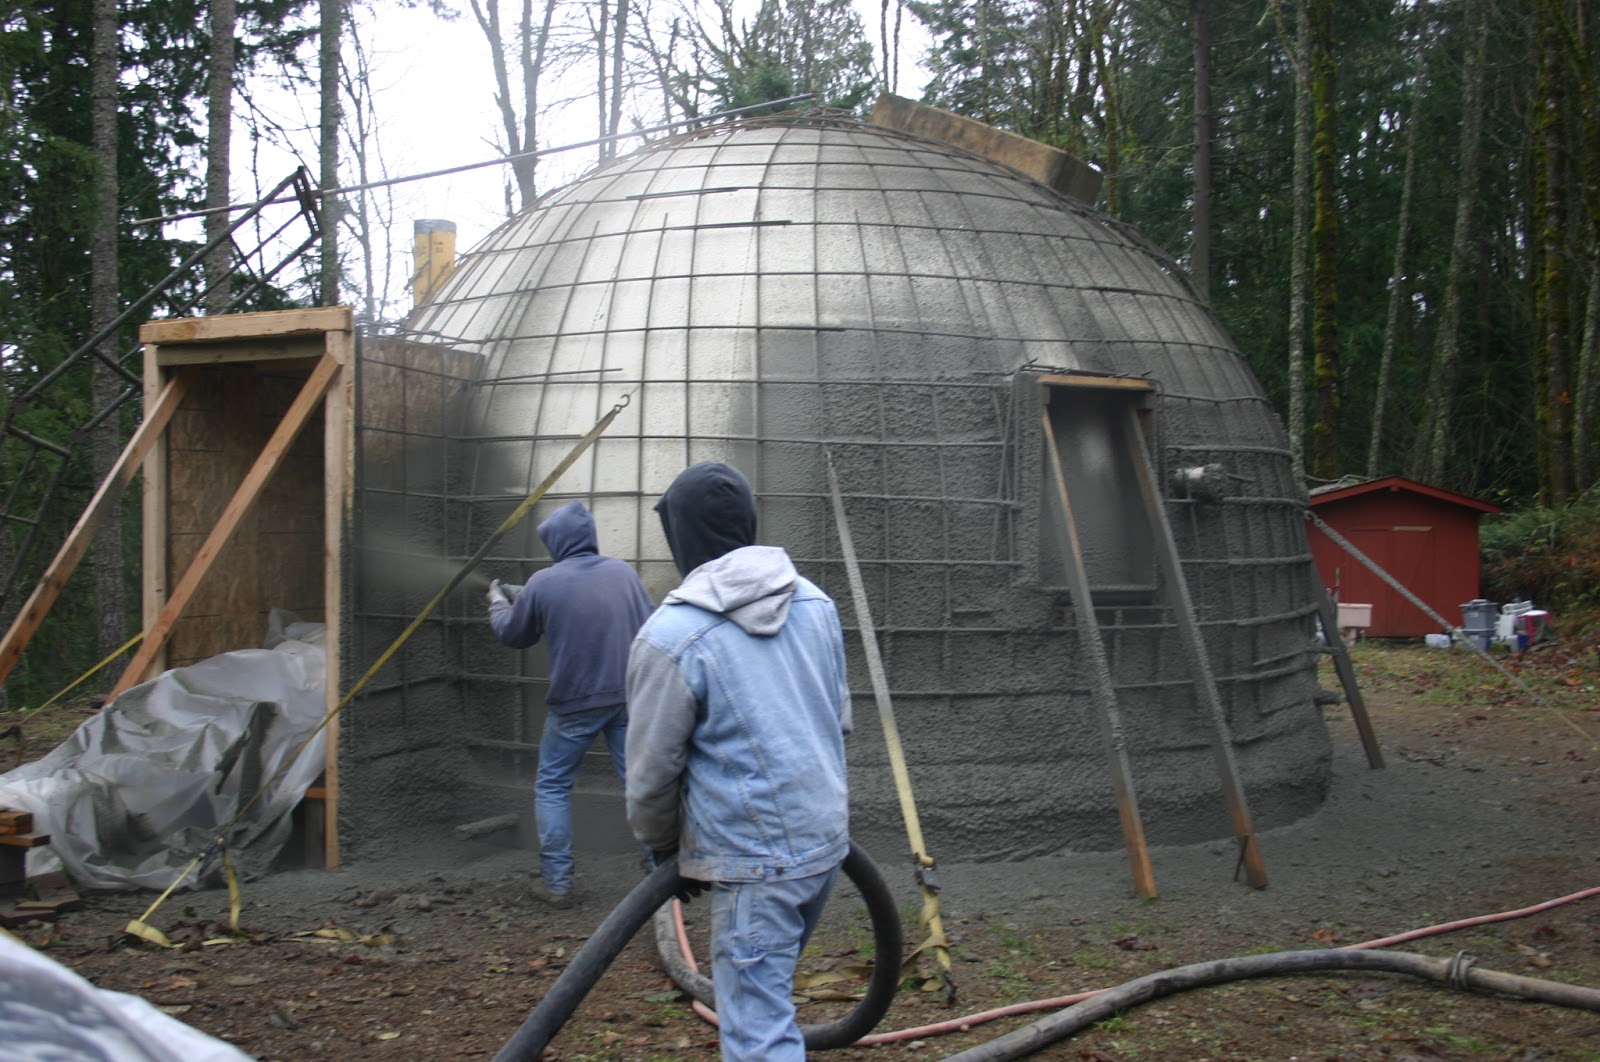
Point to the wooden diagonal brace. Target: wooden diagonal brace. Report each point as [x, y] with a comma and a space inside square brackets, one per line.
[77, 542]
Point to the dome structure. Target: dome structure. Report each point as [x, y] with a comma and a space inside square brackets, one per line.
[800, 293]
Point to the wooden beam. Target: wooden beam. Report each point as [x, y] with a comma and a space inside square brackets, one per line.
[1075, 379]
[1093, 651]
[287, 351]
[271, 456]
[1345, 669]
[338, 456]
[248, 326]
[79, 539]
[153, 545]
[1194, 648]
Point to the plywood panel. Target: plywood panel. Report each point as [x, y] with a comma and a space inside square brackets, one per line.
[274, 558]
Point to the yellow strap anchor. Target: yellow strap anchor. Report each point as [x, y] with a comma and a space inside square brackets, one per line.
[140, 926]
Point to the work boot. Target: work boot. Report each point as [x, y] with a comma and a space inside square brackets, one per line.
[559, 900]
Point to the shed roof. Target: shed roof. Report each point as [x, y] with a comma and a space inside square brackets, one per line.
[1340, 491]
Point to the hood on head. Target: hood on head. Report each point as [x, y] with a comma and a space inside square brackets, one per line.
[708, 511]
[569, 531]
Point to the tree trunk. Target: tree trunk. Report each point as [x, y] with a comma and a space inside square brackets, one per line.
[1299, 253]
[1552, 308]
[104, 303]
[332, 26]
[1324, 241]
[1204, 134]
[219, 142]
[618, 36]
[1397, 295]
[1436, 440]
[1586, 395]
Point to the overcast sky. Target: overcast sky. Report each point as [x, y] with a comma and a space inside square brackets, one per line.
[435, 96]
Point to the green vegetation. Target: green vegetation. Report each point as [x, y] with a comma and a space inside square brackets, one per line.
[1550, 556]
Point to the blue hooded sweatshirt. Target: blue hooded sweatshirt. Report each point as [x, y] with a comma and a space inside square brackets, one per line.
[586, 606]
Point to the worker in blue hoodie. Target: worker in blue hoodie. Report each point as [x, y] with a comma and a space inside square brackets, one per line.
[587, 608]
[736, 763]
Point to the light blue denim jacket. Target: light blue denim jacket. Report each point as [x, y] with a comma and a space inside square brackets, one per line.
[738, 711]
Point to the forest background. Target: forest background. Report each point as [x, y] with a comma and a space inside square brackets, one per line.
[1392, 205]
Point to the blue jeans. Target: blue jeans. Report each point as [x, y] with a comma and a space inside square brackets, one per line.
[566, 739]
[758, 930]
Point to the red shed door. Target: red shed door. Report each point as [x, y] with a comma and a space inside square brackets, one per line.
[1408, 554]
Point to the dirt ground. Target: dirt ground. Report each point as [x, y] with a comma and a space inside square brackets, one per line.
[1488, 803]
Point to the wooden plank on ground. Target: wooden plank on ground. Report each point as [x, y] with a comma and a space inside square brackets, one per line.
[51, 892]
[272, 454]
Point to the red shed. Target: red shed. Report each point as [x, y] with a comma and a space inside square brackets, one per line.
[1425, 537]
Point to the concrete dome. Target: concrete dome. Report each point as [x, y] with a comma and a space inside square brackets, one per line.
[777, 293]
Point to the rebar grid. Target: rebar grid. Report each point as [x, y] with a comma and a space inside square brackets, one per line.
[769, 293]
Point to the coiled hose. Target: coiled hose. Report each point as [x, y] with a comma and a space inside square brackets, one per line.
[626, 919]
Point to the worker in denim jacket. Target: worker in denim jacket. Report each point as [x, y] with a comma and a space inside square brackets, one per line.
[736, 765]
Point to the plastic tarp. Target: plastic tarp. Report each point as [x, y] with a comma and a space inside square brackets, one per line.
[50, 1014]
[146, 784]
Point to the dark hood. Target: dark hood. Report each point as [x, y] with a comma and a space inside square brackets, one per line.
[708, 511]
[569, 532]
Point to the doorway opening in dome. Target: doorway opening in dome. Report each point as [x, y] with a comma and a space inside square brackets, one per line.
[1087, 423]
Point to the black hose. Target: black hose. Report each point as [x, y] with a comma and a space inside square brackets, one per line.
[881, 986]
[1459, 971]
[626, 919]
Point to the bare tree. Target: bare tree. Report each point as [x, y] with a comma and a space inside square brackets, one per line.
[371, 220]
[332, 31]
[519, 126]
[219, 143]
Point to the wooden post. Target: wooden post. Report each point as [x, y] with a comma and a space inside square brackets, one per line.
[1105, 694]
[339, 480]
[1194, 647]
[1346, 671]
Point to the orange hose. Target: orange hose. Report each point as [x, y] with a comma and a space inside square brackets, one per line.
[1057, 1002]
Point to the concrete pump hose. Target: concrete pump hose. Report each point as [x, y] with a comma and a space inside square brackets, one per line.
[1458, 971]
[881, 986]
[629, 916]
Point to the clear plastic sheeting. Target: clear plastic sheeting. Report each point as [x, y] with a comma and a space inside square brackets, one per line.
[47, 1012]
[143, 786]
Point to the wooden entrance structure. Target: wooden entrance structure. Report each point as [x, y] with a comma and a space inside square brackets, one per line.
[247, 453]
[247, 493]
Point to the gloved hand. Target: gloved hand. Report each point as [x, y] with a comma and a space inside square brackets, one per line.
[497, 593]
[688, 888]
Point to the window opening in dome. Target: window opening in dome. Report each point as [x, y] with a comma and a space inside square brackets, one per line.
[1115, 538]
